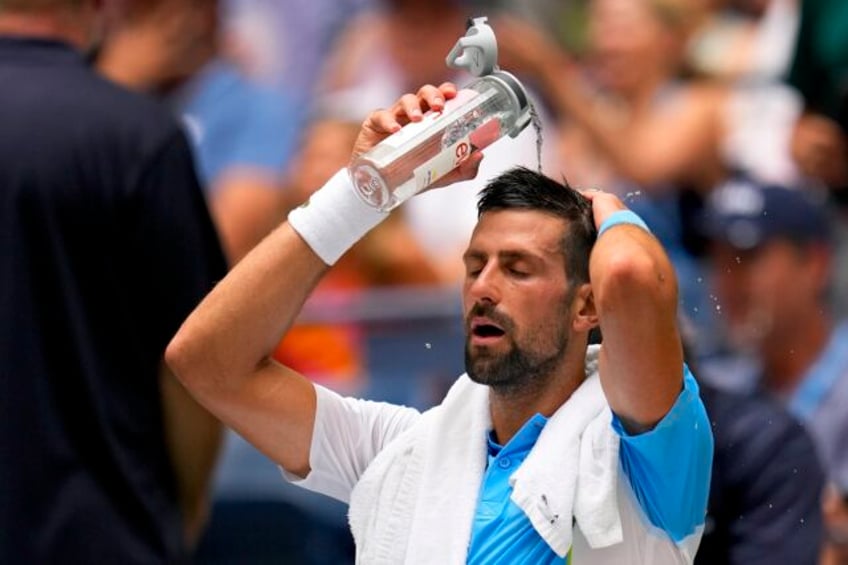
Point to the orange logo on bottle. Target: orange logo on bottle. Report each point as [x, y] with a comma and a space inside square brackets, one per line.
[461, 150]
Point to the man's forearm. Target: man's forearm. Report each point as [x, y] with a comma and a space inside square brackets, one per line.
[239, 323]
[635, 290]
[222, 353]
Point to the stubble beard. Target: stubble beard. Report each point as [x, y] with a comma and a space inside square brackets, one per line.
[516, 371]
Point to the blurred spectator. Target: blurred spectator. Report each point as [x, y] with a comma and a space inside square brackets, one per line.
[285, 42]
[766, 484]
[819, 71]
[771, 256]
[836, 514]
[243, 131]
[820, 141]
[745, 39]
[107, 244]
[628, 119]
[564, 20]
[393, 49]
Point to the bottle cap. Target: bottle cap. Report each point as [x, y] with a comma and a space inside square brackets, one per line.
[476, 51]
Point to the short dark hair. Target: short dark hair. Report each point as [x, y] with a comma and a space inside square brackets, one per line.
[524, 189]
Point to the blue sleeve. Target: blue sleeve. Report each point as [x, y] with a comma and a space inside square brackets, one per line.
[240, 123]
[669, 467]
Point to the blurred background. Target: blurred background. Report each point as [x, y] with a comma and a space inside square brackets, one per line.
[669, 103]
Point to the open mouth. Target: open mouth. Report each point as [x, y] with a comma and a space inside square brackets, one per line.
[487, 330]
[483, 331]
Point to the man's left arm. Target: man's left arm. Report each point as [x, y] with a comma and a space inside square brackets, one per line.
[667, 443]
[635, 293]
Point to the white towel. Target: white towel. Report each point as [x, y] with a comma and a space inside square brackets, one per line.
[571, 473]
[416, 501]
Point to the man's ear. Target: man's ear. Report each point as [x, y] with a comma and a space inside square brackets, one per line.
[585, 314]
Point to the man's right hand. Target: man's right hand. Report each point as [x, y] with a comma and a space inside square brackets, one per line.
[380, 124]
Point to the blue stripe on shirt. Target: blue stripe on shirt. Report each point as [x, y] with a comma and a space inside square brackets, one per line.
[669, 466]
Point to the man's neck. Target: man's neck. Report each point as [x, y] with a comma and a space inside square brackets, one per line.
[511, 410]
[54, 25]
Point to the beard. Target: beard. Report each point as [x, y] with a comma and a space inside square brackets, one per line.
[518, 370]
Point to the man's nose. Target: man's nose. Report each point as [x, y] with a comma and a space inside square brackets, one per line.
[485, 286]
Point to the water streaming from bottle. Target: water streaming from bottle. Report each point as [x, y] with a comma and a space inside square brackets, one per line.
[536, 121]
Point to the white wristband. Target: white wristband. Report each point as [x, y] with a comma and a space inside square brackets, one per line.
[334, 218]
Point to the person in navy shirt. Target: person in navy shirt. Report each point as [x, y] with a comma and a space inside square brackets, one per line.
[106, 246]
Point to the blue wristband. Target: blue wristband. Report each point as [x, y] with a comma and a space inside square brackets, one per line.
[622, 217]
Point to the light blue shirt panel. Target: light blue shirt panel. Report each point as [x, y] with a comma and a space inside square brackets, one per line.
[502, 534]
[822, 376]
[670, 466]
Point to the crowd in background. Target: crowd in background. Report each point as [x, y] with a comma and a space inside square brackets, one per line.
[723, 123]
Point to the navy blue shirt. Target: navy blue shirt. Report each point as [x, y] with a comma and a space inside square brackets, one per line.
[106, 247]
[765, 495]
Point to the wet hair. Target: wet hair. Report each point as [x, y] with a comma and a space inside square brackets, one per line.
[523, 189]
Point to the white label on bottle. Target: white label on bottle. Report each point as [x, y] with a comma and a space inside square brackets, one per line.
[411, 129]
[448, 158]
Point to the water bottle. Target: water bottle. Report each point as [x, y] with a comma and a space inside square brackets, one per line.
[493, 105]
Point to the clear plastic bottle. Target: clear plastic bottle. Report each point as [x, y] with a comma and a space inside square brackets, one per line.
[410, 160]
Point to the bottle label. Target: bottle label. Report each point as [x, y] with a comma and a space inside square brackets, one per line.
[412, 129]
[447, 159]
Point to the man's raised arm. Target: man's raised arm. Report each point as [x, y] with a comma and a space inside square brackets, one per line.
[635, 290]
[222, 353]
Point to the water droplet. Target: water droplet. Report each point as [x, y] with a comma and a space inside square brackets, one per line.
[428, 346]
[700, 279]
[738, 260]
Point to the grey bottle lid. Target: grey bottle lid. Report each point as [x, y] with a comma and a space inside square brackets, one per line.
[476, 51]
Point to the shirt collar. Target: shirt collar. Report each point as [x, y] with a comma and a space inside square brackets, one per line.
[522, 442]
